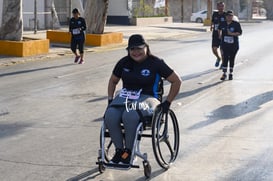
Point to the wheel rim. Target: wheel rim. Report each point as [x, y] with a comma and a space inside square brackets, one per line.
[165, 138]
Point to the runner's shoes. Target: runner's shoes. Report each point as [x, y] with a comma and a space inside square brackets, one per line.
[122, 156]
[230, 77]
[117, 157]
[126, 156]
[217, 63]
[81, 61]
[224, 76]
[76, 59]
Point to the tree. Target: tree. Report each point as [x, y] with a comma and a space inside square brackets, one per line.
[95, 14]
[268, 4]
[12, 21]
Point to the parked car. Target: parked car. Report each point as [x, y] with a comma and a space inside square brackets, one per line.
[200, 16]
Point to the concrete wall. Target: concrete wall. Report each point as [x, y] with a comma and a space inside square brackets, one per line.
[118, 8]
[181, 10]
[118, 12]
[28, 14]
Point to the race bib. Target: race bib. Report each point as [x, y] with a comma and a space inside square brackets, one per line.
[216, 27]
[76, 31]
[124, 93]
[228, 39]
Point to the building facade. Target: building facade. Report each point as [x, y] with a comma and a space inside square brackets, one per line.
[119, 11]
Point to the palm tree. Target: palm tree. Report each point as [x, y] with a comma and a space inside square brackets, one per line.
[12, 21]
[95, 14]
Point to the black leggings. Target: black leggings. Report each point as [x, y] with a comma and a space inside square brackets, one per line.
[229, 54]
[77, 42]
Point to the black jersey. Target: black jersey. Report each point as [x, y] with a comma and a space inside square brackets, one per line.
[228, 40]
[146, 75]
[217, 19]
[77, 27]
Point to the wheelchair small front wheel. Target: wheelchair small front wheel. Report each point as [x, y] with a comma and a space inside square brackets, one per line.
[101, 166]
[147, 169]
[165, 138]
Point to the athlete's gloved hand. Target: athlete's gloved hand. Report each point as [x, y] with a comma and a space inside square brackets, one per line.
[165, 106]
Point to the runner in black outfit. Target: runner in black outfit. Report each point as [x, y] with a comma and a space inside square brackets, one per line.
[229, 32]
[77, 26]
[141, 74]
[218, 17]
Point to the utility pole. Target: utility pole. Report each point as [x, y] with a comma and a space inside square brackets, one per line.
[209, 10]
[166, 8]
[35, 16]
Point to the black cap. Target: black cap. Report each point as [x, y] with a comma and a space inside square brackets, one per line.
[75, 10]
[136, 40]
[230, 13]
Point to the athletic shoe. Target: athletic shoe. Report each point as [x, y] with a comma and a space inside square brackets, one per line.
[224, 76]
[230, 77]
[117, 157]
[126, 156]
[217, 62]
[81, 61]
[76, 59]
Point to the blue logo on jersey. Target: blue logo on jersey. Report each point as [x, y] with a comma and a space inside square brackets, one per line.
[231, 29]
[145, 72]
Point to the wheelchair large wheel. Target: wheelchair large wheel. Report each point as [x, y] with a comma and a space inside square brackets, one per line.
[165, 138]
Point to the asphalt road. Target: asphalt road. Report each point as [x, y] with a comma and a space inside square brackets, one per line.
[51, 112]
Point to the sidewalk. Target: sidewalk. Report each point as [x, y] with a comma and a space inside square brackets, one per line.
[153, 32]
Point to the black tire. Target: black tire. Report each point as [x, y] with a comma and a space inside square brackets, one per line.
[147, 169]
[199, 20]
[165, 138]
[101, 167]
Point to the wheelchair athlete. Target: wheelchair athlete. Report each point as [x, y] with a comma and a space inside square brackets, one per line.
[141, 74]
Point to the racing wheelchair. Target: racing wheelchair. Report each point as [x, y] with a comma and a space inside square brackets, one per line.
[162, 128]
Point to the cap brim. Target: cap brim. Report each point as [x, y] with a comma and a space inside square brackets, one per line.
[139, 46]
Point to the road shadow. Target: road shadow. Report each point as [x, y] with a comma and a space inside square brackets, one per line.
[92, 174]
[10, 129]
[195, 91]
[88, 175]
[98, 99]
[237, 110]
[198, 29]
[257, 168]
[153, 175]
[198, 74]
[33, 70]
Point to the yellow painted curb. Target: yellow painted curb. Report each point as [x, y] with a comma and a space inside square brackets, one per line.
[90, 39]
[24, 48]
[207, 22]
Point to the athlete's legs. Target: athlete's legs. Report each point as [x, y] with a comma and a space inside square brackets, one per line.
[73, 46]
[226, 56]
[130, 121]
[81, 48]
[216, 53]
[232, 59]
[215, 46]
[112, 120]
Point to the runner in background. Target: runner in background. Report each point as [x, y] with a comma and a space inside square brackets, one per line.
[77, 26]
[218, 17]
